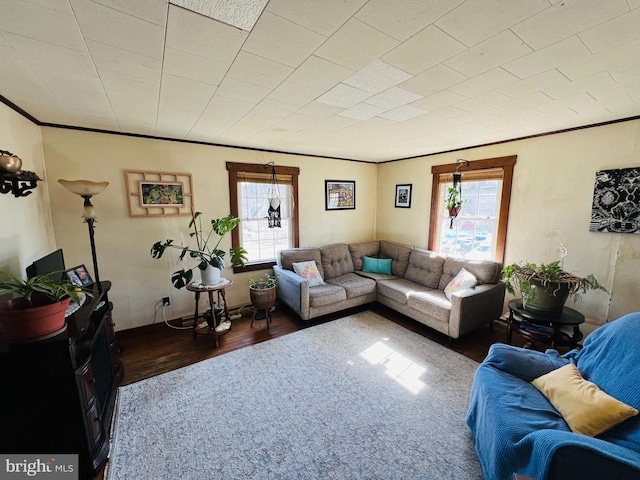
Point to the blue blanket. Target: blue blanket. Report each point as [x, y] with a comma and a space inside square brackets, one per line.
[518, 430]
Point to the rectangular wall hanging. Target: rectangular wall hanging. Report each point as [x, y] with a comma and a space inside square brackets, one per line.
[340, 194]
[616, 201]
[153, 194]
[403, 195]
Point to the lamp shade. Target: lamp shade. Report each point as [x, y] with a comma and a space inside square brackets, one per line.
[83, 187]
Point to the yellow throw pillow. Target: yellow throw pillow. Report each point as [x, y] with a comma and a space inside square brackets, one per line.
[586, 409]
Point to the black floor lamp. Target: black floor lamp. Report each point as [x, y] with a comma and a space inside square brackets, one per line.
[87, 189]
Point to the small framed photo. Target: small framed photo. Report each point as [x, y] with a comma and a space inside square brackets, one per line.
[340, 194]
[403, 195]
[79, 276]
[155, 194]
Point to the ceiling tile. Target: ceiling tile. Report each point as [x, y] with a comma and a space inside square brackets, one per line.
[295, 94]
[393, 98]
[282, 41]
[186, 88]
[423, 51]
[220, 114]
[58, 5]
[319, 110]
[355, 45]
[477, 20]
[438, 100]
[604, 60]
[40, 23]
[319, 73]
[547, 58]
[106, 57]
[119, 29]
[243, 91]
[376, 77]
[403, 113]
[68, 79]
[322, 17]
[154, 11]
[482, 101]
[534, 84]
[626, 71]
[484, 82]
[258, 71]
[520, 103]
[199, 35]
[3, 41]
[194, 67]
[243, 14]
[362, 111]
[616, 31]
[489, 54]
[126, 89]
[565, 19]
[402, 19]
[343, 96]
[433, 80]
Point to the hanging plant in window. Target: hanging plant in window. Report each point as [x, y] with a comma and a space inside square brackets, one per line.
[273, 213]
[454, 201]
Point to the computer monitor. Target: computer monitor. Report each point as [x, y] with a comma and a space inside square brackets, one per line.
[51, 265]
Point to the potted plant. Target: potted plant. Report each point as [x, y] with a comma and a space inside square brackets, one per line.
[545, 288]
[39, 306]
[454, 202]
[210, 258]
[263, 291]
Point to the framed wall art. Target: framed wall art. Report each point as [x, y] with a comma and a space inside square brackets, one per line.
[403, 195]
[615, 207]
[340, 194]
[159, 193]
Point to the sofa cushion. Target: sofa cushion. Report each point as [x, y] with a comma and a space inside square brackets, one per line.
[461, 281]
[399, 289]
[431, 302]
[586, 409]
[286, 258]
[485, 271]
[376, 265]
[425, 268]
[362, 249]
[398, 253]
[336, 260]
[309, 271]
[326, 294]
[354, 285]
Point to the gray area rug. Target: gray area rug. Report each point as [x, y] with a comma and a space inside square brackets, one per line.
[356, 398]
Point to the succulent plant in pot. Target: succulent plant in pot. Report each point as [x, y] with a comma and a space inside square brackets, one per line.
[38, 307]
[209, 257]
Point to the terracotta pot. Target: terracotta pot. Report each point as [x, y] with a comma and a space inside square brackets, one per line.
[19, 321]
[262, 297]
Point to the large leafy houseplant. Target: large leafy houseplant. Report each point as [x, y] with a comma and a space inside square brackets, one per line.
[206, 251]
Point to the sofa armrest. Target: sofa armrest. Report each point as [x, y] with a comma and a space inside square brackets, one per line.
[576, 462]
[522, 363]
[473, 307]
[293, 291]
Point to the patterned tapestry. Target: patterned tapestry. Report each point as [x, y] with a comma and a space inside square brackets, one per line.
[616, 201]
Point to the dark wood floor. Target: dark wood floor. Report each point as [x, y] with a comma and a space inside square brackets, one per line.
[155, 349]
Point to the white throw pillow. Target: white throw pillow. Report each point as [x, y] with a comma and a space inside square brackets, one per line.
[309, 270]
[462, 280]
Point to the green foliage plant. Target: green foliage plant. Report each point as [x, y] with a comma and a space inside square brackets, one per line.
[206, 251]
[268, 282]
[40, 284]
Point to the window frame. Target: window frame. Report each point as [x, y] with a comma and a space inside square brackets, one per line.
[235, 170]
[506, 164]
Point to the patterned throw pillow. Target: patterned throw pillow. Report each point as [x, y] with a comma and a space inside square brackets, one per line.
[309, 270]
[461, 281]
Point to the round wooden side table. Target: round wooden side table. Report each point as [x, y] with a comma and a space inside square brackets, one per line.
[215, 329]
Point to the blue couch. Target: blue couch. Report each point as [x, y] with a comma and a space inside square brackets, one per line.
[517, 430]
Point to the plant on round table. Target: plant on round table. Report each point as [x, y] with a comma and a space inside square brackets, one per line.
[263, 291]
[268, 282]
[204, 253]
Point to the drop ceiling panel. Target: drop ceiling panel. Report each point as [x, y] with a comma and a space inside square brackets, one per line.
[371, 80]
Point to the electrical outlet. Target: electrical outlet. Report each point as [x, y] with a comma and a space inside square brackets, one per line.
[166, 301]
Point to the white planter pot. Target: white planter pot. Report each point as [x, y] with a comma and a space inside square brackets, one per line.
[210, 276]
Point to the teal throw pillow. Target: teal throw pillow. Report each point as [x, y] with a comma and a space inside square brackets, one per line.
[376, 265]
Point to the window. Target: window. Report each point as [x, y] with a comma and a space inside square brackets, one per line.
[249, 186]
[479, 231]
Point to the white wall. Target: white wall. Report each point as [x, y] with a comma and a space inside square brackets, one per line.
[26, 231]
[123, 242]
[551, 204]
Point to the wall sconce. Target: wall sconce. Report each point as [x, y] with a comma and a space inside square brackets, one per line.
[12, 178]
[87, 189]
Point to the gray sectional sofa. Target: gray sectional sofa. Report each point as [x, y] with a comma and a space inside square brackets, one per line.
[414, 287]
